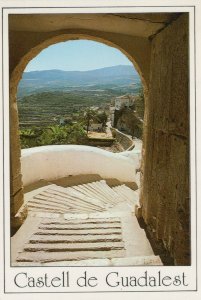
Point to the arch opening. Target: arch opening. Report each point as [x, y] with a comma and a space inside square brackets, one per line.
[99, 90]
[17, 74]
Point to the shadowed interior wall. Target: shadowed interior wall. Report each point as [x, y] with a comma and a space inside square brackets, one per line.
[165, 196]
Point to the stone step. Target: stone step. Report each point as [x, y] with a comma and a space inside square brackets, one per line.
[43, 212]
[67, 196]
[88, 224]
[127, 194]
[74, 247]
[70, 196]
[117, 262]
[65, 203]
[43, 257]
[106, 262]
[100, 188]
[75, 202]
[106, 231]
[89, 197]
[87, 192]
[130, 194]
[47, 196]
[119, 191]
[86, 198]
[109, 190]
[81, 221]
[109, 262]
[95, 192]
[40, 206]
[100, 262]
[80, 226]
[55, 205]
[35, 207]
[36, 239]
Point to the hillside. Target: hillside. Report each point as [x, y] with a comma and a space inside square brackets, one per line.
[41, 109]
[121, 76]
[48, 107]
[46, 96]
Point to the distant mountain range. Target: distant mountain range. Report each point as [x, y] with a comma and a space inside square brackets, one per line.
[49, 80]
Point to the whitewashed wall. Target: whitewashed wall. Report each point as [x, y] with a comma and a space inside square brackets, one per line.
[57, 161]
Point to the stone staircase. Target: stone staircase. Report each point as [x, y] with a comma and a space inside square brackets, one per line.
[85, 198]
[86, 224]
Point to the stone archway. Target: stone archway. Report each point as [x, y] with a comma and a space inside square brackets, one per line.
[16, 184]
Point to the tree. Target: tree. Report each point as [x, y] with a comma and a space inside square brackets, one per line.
[53, 135]
[102, 118]
[89, 116]
[76, 134]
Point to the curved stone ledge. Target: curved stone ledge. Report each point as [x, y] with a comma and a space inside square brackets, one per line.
[57, 161]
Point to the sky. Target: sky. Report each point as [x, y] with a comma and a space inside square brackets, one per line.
[79, 55]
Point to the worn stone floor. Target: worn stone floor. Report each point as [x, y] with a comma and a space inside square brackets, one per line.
[85, 224]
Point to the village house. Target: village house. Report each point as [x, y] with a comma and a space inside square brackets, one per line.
[123, 101]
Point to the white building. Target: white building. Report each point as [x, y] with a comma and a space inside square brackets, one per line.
[123, 101]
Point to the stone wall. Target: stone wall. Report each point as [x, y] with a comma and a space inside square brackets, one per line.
[126, 142]
[16, 189]
[127, 119]
[165, 197]
[103, 142]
